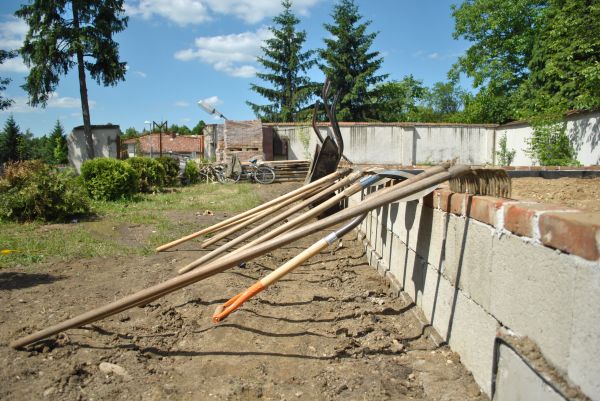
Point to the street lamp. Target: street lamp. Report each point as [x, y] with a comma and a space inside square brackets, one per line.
[207, 107]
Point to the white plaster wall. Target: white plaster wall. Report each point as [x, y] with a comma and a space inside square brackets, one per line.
[105, 138]
[583, 131]
[406, 145]
[470, 280]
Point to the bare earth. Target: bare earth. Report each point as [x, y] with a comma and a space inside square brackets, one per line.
[579, 193]
[329, 331]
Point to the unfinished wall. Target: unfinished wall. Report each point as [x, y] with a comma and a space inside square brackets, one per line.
[243, 138]
[106, 143]
[475, 265]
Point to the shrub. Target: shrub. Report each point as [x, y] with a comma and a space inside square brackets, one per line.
[505, 156]
[151, 173]
[32, 190]
[550, 145]
[171, 167]
[191, 173]
[109, 179]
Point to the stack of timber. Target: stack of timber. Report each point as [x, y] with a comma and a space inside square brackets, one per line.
[289, 170]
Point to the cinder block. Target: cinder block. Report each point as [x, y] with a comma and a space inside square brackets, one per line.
[584, 362]
[532, 294]
[470, 259]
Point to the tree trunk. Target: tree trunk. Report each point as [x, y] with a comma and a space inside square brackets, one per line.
[85, 108]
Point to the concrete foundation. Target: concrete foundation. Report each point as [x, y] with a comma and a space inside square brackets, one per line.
[472, 278]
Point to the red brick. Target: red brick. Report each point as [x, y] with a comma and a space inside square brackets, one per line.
[429, 200]
[518, 217]
[574, 233]
[484, 208]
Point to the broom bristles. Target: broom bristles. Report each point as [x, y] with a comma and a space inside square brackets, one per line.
[483, 181]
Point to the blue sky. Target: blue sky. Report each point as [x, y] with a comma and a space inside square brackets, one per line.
[182, 51]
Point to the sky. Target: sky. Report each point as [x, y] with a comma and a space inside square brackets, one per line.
[179, 52]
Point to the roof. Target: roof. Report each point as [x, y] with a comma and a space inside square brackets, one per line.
[170, 143]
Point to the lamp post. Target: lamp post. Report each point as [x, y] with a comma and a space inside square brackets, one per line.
[149, 124]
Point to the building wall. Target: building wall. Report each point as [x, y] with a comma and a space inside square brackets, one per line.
[106, 143]
[479, 265]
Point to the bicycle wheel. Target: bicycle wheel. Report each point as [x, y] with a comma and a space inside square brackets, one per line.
[235, 177]
[264, 175]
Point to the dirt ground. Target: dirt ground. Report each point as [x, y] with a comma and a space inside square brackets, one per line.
[579, 193]
[329, 331]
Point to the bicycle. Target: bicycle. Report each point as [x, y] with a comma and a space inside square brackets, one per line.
[232, 173]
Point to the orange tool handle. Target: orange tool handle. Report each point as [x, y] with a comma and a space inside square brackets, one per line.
[224, 310]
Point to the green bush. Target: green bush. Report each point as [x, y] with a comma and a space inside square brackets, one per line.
[151, 173]
[32, 190]
[109, 179]
[550, 145]
[171, 167]
[191, 173]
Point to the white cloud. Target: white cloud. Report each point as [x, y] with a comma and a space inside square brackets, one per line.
[433, 56]
[54, 102]
[140, 74]
[182, 103]
[185, 12]
[234, 54]
[213, 101]
[12, 35]
[181, 12]
[14, 65]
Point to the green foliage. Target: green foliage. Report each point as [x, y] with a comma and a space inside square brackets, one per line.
[549, 144]
[150, 172]
[5, 102]
[349, 63]
[529, 57]
[11, 141]
[191, 173]
[31, 190]
[58, 140]
[398, 100]
[198, 128]
[109, 179]
[130, 132]
[171, 167]
[565, 61]
[290, 88]
[505, 156]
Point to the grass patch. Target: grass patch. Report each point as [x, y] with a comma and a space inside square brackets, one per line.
[38, 243]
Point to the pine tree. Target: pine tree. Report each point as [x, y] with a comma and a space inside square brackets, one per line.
[10, 138]
[349, 63]
[5, 102]
[58, 141]
[67, 33]
[287, 66]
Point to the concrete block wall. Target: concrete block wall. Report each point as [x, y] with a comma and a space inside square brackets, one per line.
[106, 140]
[478, 264]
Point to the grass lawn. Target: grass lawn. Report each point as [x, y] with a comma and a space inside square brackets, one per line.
[37, 242]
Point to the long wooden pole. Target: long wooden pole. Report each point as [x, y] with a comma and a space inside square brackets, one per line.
[237, 218]
[258, 216]
[231, 260]
[270, 223]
